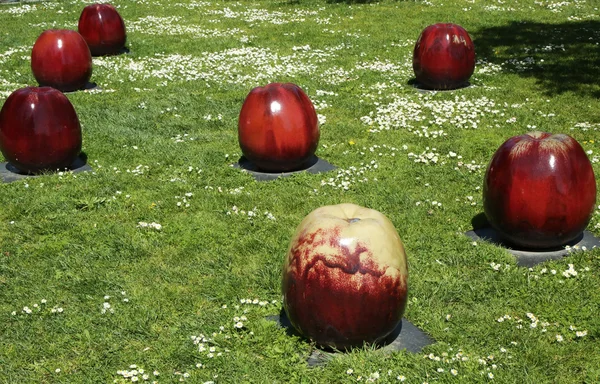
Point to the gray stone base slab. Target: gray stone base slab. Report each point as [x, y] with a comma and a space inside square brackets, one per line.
[314, 165]
[528, 257]
[8, 173]
[406, 336]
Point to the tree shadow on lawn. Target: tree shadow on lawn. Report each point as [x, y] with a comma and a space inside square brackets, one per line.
[570, 53]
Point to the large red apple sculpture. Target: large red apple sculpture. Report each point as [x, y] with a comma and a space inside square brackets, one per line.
[39, 130]
[444, 57]
[61, 59]
[345, 277]
[539, 190]
[103, 29]
[278, 128]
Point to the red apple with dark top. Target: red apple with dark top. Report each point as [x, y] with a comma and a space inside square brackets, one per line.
[103, 29]
[278, 128]
[539, 190]
[61, 59]
[39, 130]
[345, 277]
[444, 57]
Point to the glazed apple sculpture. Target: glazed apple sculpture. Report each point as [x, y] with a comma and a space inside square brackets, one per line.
[61, 59]
[39, 130]
[103, 29]
[345, 277]
[444, 57]
[539, 190]
[278, 129]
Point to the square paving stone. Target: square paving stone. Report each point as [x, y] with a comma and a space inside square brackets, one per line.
[314, 165]
[406, 336]
[9, 173]
[529, 257]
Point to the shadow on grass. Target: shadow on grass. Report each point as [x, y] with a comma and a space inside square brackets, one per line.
[562, 57]
[353, 1]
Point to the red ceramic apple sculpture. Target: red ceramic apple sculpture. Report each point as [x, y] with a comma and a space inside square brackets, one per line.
[278, 128]
[444, 57]
[39, 130]
[345, 277]
[61, 59]
[103, 29]
[539, 190]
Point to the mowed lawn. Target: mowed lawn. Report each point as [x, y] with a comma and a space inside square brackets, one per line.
[163, 263]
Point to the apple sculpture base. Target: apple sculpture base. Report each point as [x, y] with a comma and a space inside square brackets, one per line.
[531, 257]
[9, 173]
[422, 88]
[406, 337]
[313, 165]
[89, 86]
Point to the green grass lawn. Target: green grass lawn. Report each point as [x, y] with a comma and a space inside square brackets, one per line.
[90, 293]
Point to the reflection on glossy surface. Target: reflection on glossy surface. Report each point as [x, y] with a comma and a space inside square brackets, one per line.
[61, 59]
[103, 29]
[539, 190]
[39, 130]
[278, 129]
[345, 277]
[444, 57]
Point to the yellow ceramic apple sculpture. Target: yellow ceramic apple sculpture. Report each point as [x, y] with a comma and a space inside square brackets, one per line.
[345, 277]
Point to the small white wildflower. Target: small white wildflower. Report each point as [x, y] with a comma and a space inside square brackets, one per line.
[581, 333]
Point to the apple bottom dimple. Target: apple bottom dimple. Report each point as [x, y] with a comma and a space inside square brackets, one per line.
[341, 310]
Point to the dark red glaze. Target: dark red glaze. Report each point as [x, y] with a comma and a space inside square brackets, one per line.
[61, 59]
[539, 190]
[324, 302]
[103, 29]
[39, 130]
[278, 128]
[444, 57]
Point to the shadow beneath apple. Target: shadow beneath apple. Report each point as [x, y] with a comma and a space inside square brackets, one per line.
[9, 173]
[425, 89]
[89, 86]
[350, 2]
[527, 257]
[405, 336]
[122, 51]
[313, 165]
